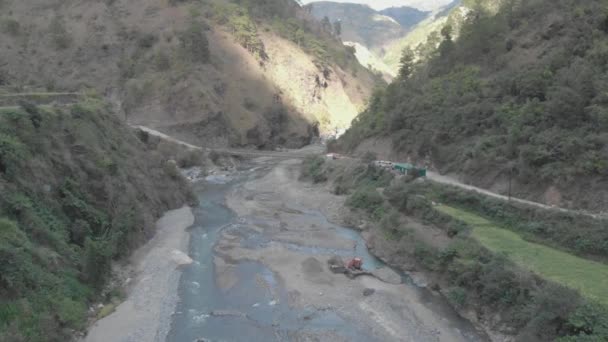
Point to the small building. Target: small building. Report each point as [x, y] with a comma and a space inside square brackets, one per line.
[409, 169]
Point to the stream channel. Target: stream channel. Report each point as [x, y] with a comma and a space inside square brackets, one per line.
[250, 312]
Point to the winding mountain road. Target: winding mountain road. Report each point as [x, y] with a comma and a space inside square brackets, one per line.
[318, 150]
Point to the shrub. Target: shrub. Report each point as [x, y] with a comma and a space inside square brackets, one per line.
[195, 44]
[366, 198]
[189, 159]
[369, 157]
[60, 36]
[391, 224]
[97, 261]
[214, 156]
[10, 26]
[425, 255]
[550, 309]
[313, 168]
[12, 152]
[162, 61]
[588, 323]
[147, 40]
[457, 296]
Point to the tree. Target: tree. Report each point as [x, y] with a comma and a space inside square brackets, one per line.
[338, 28]
[97, 261]
[446, 32]
[407, 63]
[195, 43]
[326, 24]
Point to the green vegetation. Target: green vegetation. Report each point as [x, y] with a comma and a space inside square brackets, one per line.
[588, 277]
[530, 288]
[78, 191]
[577, 234]
[238, 19]
[195, 44]
[518, 89]
[10, 26]
[485, 269]
[313, 169]
[60, 37]
[368, 199]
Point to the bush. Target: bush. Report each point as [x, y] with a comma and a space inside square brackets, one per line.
[162, 61]
[391, 224]
[97, 262]
[12, 152]
[457, 296]
[313, 168]
[214, 156]
[147, 40]
[369, 157]
[550, 310]
[368, 199]
[195, 44]
[60, 36]
[10, 26]
[588, 323]
[189, 159]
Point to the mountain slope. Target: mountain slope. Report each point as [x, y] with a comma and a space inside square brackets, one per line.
[368, 30]
[519, 93]
[79, 189]
[425, 35]
[380, 37]
[199, 69]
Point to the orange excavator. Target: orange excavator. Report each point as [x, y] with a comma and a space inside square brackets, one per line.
[355, 264]
[352, 269]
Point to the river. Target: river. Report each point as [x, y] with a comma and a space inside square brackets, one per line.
[273, 287]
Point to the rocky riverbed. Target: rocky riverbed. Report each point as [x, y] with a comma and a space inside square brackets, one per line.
[260, 243]
[263, 270]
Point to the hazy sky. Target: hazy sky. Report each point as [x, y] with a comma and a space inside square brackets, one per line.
[382, 4]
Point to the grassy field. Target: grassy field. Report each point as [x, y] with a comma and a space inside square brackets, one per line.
[589, 277]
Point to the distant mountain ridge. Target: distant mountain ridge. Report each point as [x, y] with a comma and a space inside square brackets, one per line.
[360, 23]
[405, 16]
[368, 30]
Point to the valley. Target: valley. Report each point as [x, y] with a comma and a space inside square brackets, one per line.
[286, 170]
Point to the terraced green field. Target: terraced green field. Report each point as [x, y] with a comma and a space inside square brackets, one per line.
[588, 277]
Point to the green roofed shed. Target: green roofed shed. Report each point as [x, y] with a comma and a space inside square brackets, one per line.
[408, 169]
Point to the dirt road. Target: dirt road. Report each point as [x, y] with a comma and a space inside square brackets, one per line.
[433, 176]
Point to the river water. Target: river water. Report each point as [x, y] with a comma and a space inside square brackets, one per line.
[248, 311]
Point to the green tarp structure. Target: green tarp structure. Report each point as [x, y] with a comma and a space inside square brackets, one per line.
[408, 169]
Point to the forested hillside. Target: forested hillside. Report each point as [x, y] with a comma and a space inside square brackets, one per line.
[520, 92]
[241, 73]
[78, 190]
[380, 37]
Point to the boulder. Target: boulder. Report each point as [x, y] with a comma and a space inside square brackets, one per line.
[368, 292]
[387, 275]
